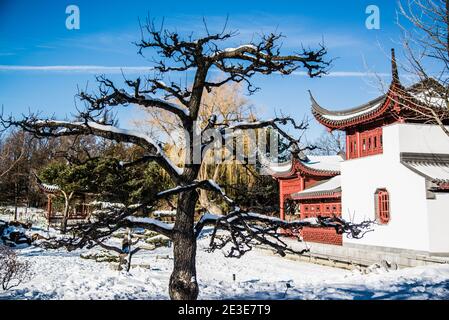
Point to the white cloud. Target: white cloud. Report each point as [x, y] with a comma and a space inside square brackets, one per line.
[143, 69]
[79, 69]
[347, 74]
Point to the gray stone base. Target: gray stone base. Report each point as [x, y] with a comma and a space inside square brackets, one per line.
[352, 256]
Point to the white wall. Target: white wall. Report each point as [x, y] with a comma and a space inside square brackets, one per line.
[438, 215]
[421, 138]
[408, 226]
[430, 139]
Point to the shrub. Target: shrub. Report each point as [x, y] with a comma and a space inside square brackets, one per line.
[12, 271]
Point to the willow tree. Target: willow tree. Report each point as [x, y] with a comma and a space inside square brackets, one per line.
[228, 104]
[237, 230]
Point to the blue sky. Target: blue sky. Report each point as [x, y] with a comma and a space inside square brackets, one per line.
[33, 33]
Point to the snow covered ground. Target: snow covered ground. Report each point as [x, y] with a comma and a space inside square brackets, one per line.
[259, 275]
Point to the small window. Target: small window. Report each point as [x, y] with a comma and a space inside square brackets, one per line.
[382, 206]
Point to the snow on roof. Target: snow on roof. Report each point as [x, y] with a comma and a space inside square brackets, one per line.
[352, 115]
[347, 114]
[50, 187]
[280, 167]
[433, 167]
[430, 97]
[320, 163]
[435, 172]
[326, 163]
[322, 188]
[427, 92]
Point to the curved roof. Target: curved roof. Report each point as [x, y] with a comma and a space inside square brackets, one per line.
[328, 188]
[433, 167]
[324, 163]
[337, 119]
[420, 96]
[47, 188]
[312, 165]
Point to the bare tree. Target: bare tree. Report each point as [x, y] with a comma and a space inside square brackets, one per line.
[12, 271]
[330, 143]
[177, 54]
[10, 158]
[228, 104]
[426, 45]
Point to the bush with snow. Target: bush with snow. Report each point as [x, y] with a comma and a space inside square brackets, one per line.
[12, 271]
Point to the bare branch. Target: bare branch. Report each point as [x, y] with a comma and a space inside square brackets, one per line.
[245, 229]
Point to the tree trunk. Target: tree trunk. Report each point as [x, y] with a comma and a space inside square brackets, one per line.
[183, 283]
[65, 215]
[16, 196]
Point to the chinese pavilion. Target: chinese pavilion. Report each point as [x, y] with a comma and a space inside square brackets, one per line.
[395, 171]
[80, 209]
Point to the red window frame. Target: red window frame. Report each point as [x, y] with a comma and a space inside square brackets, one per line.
[370, 143]
[383, 206]
[309, 210]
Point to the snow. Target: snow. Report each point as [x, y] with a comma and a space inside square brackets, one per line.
[152, 221]
[247, 47]
[327, 163]
[434, 171]
[329, 185]
[58, 274]
[430, 97]
[281, 167]
[164, 213]
[172, 105]
[106, 204]
[259, 275]
[113, 129]
[330, 163]
[242, 47]
[220, 190]
[352, 115]
[209, 217]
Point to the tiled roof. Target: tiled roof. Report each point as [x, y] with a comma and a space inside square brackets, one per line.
[331, 187]
[433, 167]
[410, 101]
[319, 165]
[48, 188]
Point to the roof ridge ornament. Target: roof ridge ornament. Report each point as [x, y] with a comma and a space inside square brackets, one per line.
[394, 67]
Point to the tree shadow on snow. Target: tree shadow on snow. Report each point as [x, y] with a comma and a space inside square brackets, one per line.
[411, 289]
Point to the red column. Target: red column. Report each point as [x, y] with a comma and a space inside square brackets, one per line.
[348, 156]
[49, 207]
[359, 147]
[281, 206]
